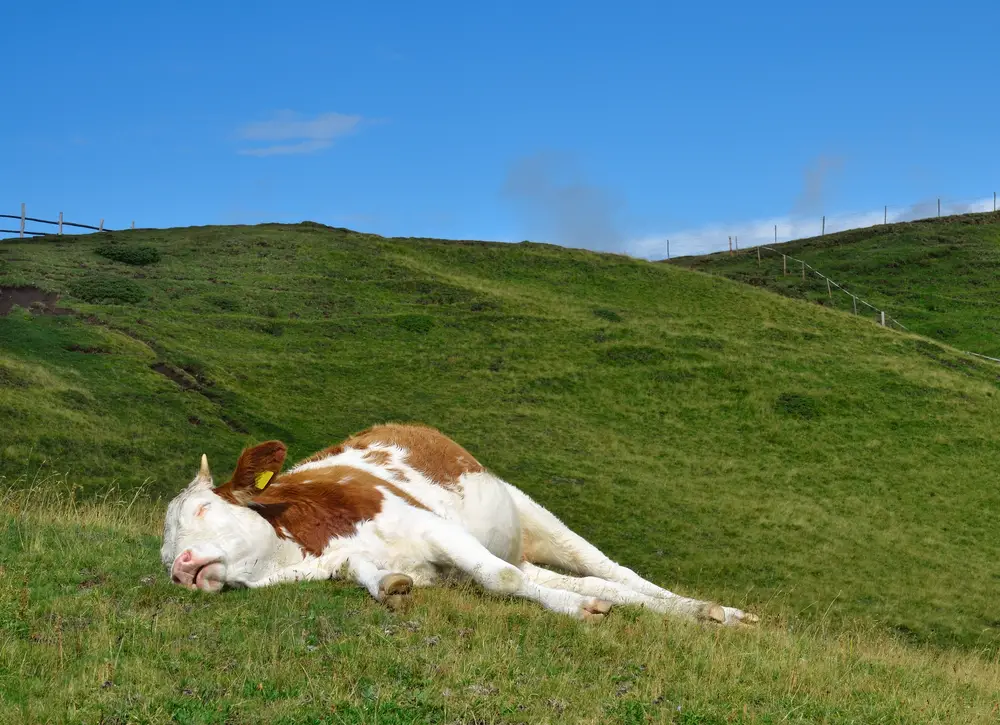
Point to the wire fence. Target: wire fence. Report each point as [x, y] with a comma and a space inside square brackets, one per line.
[804, 268]
[881, 317]
[23, 231]
[776, 230]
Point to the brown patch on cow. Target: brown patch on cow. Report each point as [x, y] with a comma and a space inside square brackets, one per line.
[266, 457]
[378, 457]
[428, 450]
[313, 507]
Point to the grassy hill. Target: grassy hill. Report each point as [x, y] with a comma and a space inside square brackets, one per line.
[938, 277]
[728, 443]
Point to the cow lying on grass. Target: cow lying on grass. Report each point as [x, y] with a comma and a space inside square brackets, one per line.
[391, 508]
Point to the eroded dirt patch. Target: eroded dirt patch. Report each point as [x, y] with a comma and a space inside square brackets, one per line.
[176, 375]
[190, 379]
[37, 301]
[88, 349]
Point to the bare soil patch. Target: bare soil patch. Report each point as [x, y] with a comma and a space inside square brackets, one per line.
[37, 301]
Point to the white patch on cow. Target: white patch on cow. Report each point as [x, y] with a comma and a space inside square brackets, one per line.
[238, 540]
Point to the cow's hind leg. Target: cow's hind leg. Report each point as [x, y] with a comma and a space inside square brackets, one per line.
[548, 541]
[457, 548]
[620, 594]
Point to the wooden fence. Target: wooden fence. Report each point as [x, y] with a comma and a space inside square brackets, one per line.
[23, 218]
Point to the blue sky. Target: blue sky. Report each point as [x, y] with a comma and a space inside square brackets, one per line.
[607, 125]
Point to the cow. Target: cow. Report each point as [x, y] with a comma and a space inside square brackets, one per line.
[392, 508]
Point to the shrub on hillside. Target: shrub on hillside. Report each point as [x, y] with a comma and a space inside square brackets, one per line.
[421, 324]
[798, 406]
[128, 254]
[105, 289]
[625, 355]
[226, 304]
[609, 315]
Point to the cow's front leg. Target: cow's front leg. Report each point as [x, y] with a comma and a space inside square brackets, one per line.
[390, 588]
[306, 571]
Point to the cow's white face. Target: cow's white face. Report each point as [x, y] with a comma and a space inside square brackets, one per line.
[209, 542]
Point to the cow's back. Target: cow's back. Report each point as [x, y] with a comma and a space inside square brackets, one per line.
[427, 450]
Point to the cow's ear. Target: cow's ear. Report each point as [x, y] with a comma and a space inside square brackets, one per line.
[255, 470]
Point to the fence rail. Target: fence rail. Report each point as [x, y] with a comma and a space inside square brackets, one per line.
[99, 228]
[881, 317]
[60, 223]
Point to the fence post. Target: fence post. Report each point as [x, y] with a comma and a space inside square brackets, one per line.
[803, 271]
[883, 318]
[668, 250]
[22, 220]
[730, 244]
[885, 214]
[855, 304]
[994, 201]
[736, 239]
[776, 226]
[60, 222]
[758, 255]
[100, 227]
[829, 292]
[784, 264]
[133, 223]
[824, 225]
[939, 207]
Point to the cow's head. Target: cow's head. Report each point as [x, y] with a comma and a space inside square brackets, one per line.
[211, 537]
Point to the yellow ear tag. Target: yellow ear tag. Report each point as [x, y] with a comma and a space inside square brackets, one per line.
[261, 479]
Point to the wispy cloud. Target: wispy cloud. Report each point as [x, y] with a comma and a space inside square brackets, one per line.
[559, 205]
[307, 135]
[815, 185]
[715, 237]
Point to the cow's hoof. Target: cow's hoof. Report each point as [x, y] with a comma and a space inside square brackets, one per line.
[595, 610]
[711, 612]
[394, 591]
[396, 602]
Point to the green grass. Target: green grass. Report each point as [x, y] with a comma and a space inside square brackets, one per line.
[728, 443]
[938, 277]
[91, 631]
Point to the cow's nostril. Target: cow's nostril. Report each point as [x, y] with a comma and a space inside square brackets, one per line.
[186, 556]
[174, 578]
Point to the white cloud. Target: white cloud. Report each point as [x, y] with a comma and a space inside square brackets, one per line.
[303, 147]
[308, 134]
[715, 237]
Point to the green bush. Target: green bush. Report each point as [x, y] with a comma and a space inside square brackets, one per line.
[226, 304]
[105, 289]
[128, 254]
[606, 314]
[625, 355]
[797, 406]
[416, 323]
